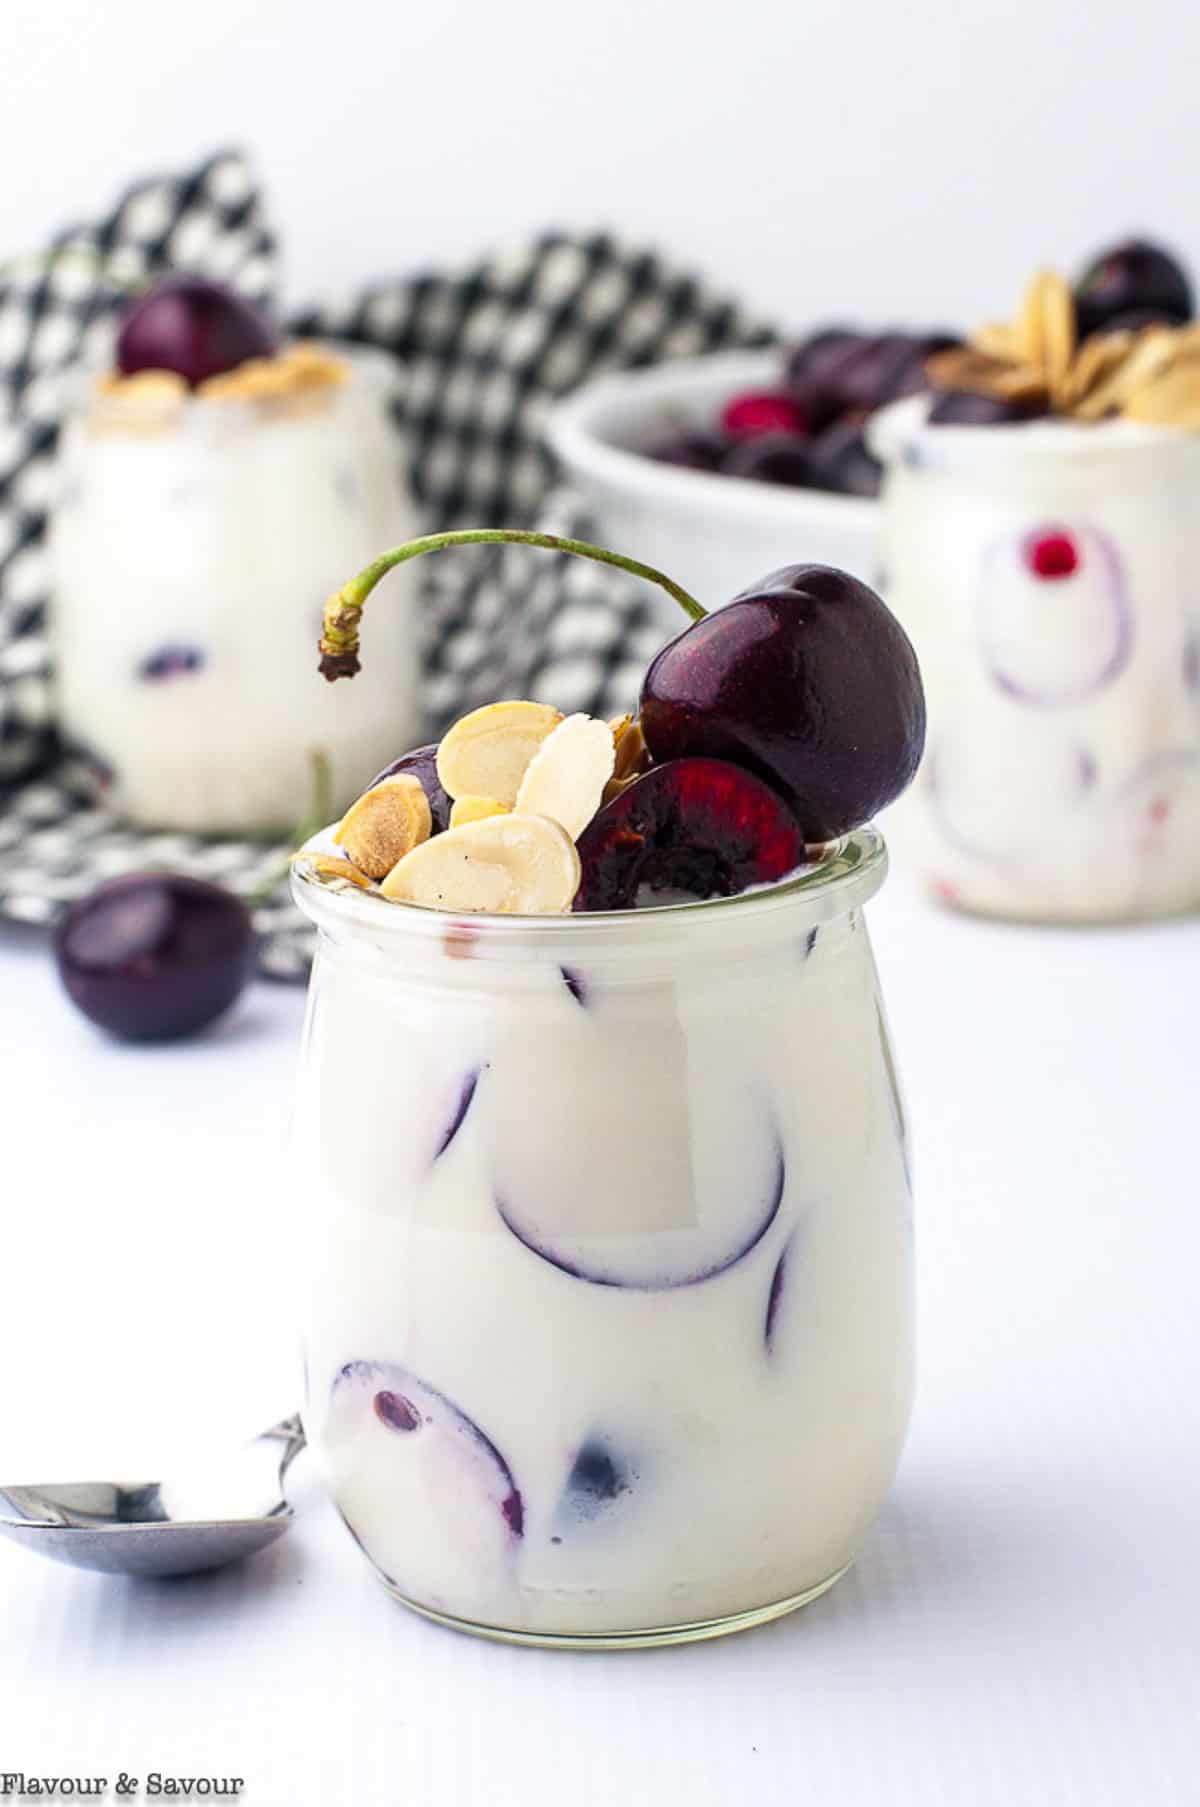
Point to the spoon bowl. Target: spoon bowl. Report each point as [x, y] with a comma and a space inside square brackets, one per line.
[177, 1527]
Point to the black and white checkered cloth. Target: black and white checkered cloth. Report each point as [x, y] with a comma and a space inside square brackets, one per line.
[485, 350]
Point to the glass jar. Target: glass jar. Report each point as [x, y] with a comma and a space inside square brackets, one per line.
[1047, 575]
[609, 1339]
[194, 542]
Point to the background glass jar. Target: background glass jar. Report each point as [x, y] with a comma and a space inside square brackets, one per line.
[1047, 575]
[193, 544]
[609, 1337]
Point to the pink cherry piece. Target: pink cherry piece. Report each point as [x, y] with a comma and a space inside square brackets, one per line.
[1052, 554]
[756, 412]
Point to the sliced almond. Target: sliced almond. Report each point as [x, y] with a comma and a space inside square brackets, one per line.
[1171, 400]
[1030, 325]
[1148, 356]
[486, 753]
[960, 367]
[1058, 331]
[474, 809]
[308, 363]
[385, 824]
[156, 386]
[328, 865]
[632, 755]
[507, 865]
[615, 786]
[252, 380]
[566, 777]
[998, 340]
[1095, 359]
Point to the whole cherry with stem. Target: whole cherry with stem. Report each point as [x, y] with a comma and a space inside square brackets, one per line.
[805, 679]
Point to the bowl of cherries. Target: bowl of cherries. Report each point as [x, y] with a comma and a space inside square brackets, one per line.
[717, 464]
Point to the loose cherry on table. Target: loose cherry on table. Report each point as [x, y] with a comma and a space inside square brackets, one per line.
[155, 956]
[196, 328]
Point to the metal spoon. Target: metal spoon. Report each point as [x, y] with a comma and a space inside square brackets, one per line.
[161, 1527]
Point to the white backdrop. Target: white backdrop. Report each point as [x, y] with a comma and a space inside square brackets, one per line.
[820, 156]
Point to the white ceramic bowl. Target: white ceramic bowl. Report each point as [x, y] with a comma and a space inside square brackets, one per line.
[713, 534]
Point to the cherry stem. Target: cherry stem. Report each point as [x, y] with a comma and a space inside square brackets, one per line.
[339, 639]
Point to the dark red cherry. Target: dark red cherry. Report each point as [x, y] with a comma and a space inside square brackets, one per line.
[963, 408]
[773, 458]
[697, 826]
[1135, 276]
[756, 412]
[806, 679]
[196, 328]
[814, 373]
[155, 956]
[840, 459]
[422, 764]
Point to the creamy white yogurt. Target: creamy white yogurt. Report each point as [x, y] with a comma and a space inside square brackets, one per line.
[610, 1322]
[192, 559]
[1047, 575]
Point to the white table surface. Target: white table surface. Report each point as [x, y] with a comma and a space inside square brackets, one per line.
[1024, 1625]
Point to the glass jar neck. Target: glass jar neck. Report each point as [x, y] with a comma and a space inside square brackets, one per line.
[631, 945]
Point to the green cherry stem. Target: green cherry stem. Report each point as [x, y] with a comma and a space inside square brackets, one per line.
[339, 639]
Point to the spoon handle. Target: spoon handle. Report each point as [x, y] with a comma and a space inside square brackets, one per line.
[289, 1432]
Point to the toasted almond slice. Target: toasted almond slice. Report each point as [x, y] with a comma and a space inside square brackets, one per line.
[1171, 400]
[1019, 383]
[998, 340]
[308, 363]
[630, 744]
[1031, 321]
[1149, 354]
[328, 865]
[1058, 332]
[165, 386]
[566, 777]
[615, 786]
[1094, 360]
[1186, 341]
[385, 823]
[486, 753]
[474, 809]
[508, 865]
[962, 368]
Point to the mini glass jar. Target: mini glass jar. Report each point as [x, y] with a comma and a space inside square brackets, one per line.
[1047, 576]
[193, 543]
[609, 1335]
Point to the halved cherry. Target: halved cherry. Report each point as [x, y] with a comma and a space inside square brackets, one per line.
[701, 827]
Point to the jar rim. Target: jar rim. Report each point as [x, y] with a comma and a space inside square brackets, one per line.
[898, 431]
[848, 873]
